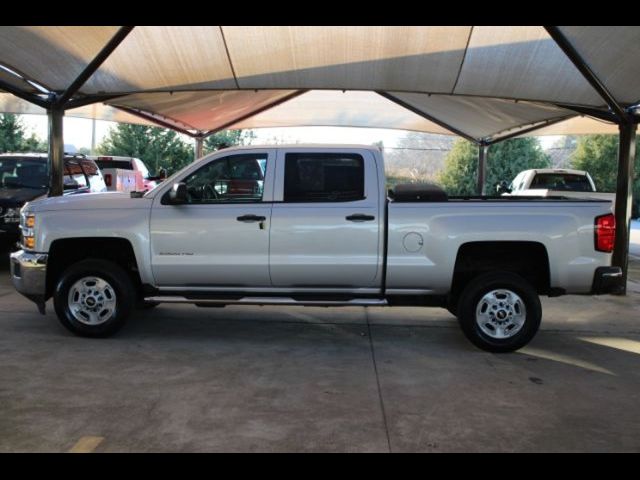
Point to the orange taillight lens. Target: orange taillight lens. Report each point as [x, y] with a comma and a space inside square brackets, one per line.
[605, 233]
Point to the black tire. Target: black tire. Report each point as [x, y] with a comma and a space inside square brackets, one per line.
[472, 296]
[452, 306]
[105, 270]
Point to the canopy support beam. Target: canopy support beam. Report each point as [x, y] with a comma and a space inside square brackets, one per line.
[199, 148]
[605, 115]
[482, 166]
[89, 100]
[29, 97]
[264, 108]
[569, 50]
[56, 151]
[153, 119]
[417, 111]
[527, 130]
[624, 193]
[90, 69]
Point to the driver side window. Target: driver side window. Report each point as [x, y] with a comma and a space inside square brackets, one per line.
[232, 179]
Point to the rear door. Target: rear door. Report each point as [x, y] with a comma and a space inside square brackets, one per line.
[326, 220]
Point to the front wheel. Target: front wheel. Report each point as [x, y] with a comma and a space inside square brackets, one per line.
[93, 298]
[499, 312]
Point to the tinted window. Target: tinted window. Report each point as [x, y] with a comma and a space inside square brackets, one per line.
[23, 172]
[74, 175]
[323, 177]
[562, 181]
[237, 178]
[121, 164]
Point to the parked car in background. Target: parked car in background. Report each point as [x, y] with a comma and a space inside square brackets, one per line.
[312, 225]
[555, 182]
[127, 174]
[25, 177]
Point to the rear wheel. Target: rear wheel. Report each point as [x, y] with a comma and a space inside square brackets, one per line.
[499, 312]
[93, 298]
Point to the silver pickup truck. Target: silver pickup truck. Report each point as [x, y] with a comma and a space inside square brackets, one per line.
[311, 225]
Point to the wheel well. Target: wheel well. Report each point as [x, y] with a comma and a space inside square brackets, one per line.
[527, 259]
[65, 252]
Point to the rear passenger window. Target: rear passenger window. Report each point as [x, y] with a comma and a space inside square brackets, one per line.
[323, 177]
[74, 176]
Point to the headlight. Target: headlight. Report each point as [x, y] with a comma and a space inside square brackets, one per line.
[27, 228]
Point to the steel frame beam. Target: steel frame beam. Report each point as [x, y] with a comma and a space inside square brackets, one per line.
[569, 50]
[91, 68]
[423, 114]
[29, 97]
[199, 147]
[264, 108]
[482, 167]
[152, 119]
[56, 151]
[590, 112]
[89, 100]
[624, 194]
[528, 130]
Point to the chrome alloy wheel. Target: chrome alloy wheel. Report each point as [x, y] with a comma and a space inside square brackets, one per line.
[92, 300]
[500, 314]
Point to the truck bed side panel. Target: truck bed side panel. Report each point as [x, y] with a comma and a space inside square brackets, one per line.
[564, 228]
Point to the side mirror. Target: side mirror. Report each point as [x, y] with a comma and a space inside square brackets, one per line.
[502, 187]
[178, 193]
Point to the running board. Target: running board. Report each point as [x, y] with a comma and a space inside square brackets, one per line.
[357, 302]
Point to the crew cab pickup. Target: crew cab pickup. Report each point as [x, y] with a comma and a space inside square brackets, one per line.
[311, 225]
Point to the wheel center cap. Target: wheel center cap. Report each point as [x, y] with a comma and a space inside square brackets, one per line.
[90, 301]
[501, 314]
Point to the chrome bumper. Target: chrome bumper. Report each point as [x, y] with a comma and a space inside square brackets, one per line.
[29, 275]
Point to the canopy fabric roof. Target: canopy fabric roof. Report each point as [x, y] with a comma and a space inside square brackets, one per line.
[482, 82]
[11, 104]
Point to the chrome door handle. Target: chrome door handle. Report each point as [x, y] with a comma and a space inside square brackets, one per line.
[360, 217]
[251, 218]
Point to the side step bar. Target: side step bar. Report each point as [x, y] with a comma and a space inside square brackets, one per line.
[358, 302]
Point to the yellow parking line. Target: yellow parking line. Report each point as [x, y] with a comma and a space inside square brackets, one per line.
[86, 445]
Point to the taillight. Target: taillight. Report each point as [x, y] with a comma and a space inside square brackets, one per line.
[107, 179]
[605, 233]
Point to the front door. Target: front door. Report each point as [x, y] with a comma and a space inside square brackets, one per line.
[220, 237]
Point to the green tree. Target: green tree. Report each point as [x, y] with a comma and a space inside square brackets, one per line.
[227, 138]
[598, 155]
[504, 161]
[157, 147]
[11, 133]
[12, 136]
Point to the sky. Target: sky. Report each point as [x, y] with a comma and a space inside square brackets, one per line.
[78, 132]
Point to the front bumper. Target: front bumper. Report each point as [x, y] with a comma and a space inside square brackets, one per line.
[29, 275]
[607, 280]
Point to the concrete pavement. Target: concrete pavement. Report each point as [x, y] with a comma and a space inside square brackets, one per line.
[180, 378]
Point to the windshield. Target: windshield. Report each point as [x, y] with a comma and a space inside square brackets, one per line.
[20, 172]
[562, 181]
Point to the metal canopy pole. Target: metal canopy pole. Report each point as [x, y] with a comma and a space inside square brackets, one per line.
[199, 150]
[482, 166]
[56, 151]
[624, 192]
